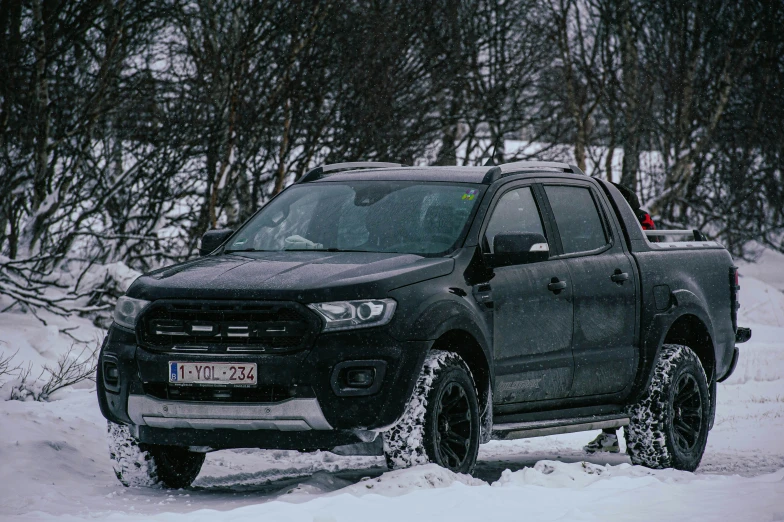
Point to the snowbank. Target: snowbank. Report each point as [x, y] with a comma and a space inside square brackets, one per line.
[760, 303]
[769, 267]
[558, 492]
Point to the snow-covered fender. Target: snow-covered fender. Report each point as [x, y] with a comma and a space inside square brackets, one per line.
[683, 303]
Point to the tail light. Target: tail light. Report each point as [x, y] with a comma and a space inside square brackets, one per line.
[734, 304]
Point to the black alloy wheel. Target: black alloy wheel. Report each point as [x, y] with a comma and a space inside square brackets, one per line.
[441, 422]
[454, 426]
[687, 413]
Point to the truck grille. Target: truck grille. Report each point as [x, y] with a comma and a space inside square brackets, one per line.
[226, 326]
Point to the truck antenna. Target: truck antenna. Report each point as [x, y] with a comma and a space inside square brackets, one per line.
[491, 160]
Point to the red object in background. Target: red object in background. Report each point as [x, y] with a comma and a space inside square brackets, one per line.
[646, 222]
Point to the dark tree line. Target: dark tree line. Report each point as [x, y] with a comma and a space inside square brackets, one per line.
[128, 128]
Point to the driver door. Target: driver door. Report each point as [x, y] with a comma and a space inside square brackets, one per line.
[532, 324]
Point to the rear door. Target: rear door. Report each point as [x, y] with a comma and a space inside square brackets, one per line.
[603, 281]
[532, 324]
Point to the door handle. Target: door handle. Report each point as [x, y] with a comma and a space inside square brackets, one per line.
[556, 285]
[619, 277]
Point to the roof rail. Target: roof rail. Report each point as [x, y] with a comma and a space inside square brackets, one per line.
[500, 171]
[318, 172]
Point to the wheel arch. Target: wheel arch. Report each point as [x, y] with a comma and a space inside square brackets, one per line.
[464, 344]
[689, 330]
[686, 323]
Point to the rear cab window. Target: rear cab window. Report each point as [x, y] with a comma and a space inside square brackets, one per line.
[580, 223]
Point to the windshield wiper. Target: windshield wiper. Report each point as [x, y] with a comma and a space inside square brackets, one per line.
[321, 250]
[245, 250]
[299, 250]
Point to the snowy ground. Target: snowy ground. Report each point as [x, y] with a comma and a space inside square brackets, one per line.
[54, 462]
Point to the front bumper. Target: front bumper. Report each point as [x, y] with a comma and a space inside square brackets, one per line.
[313, 413]
[288, 415]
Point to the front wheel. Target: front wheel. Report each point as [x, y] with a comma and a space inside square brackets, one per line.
[149, 465]
[669, 426]
[441, 423]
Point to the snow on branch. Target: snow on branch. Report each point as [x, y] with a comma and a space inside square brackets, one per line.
[34, 289]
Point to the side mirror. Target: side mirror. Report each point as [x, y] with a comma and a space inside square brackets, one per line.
[212, 239]
[518, 249]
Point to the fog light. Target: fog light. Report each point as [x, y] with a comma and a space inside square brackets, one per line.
[111, 376]
[360, 377]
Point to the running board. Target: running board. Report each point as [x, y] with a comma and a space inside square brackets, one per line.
[523, 430]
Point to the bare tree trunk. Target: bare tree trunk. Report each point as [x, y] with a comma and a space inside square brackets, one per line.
[33, 228]
[280, 173]
[447, 154]
[10, 45]
[578, 45]
[608, 160]
[631, 88]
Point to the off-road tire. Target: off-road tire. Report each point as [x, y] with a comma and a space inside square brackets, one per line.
[669, 426]
[441, 422]
[143, 465]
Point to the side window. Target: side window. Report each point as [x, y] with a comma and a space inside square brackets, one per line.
[515, 212]
[577, 217]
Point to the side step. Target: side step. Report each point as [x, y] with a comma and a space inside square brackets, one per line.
[524, 430]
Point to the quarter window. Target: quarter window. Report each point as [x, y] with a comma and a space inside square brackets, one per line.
[577, 217]
[515, 212]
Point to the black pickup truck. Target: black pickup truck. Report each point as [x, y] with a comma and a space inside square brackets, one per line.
[426, 310]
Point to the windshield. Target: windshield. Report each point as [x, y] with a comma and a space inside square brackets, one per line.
[363, 216]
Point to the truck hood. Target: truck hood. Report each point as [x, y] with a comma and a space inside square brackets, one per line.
[297, 276]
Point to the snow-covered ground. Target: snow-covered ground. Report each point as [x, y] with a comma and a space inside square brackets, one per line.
[54, 462]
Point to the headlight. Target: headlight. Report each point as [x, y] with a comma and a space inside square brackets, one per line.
[346, 315]
[127, 311]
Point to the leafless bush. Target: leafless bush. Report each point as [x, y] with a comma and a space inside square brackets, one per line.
[71, 370]
[72, 367]
[6, 366]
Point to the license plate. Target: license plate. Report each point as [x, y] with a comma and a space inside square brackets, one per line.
[212, 373]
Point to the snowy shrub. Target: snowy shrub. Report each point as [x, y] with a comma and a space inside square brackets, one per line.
[71, 368]
[6, 367]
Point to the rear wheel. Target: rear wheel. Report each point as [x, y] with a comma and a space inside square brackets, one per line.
[146, 465]
[669, 426]
[441, 423]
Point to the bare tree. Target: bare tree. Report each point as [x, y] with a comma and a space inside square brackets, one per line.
[578, 33]
[699, 57]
